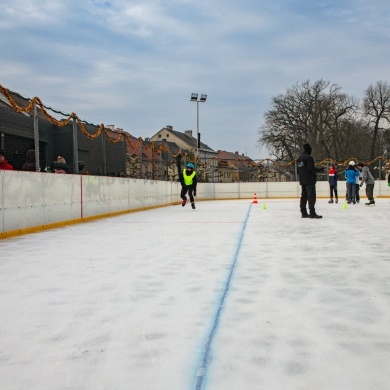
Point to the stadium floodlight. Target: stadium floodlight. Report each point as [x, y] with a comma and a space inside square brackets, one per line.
[194, 98]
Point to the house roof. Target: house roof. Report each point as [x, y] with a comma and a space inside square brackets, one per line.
[172, 146]
[133, 148]
[191, 141]
[23, 102]
[186, 138]
[18, 100]
[230, 159]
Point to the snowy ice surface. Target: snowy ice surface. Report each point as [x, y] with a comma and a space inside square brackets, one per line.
[232, 295]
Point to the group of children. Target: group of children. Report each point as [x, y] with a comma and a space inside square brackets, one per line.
[355, 176]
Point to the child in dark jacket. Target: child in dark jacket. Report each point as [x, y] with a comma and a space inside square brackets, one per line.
[332, 178]
[188, 180]
[60, 166]
[30, 164]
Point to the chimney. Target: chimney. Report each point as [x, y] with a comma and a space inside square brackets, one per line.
[188, 133]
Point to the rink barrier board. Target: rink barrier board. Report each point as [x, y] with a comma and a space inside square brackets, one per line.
[31, 201]
[57, 225]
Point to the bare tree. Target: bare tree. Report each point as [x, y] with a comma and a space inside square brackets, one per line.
[317, 113]
[376, 107]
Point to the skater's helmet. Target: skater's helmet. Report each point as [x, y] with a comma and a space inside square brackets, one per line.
[352, 163]
[360, 164]
[191, 166]
[331, 164]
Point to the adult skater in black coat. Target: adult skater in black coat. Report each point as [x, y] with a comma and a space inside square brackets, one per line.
[307, 179]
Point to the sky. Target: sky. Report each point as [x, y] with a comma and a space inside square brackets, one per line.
[180, 299]
[134, 64]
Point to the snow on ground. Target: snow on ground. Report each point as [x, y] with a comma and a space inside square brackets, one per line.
[232, 295]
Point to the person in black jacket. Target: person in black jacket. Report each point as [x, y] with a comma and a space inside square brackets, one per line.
[307, 179]
[30, 164]
[60, 166]
[188, 180]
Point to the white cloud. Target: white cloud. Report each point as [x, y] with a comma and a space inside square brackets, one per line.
[134, 63]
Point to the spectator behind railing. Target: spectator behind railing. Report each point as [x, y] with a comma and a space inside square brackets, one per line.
[30, 164]
[60, 166]
[4, 163]
[82, 169]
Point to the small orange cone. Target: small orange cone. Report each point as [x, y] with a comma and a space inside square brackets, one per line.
[254, 198]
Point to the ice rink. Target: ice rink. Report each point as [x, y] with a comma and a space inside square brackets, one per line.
[230, 296]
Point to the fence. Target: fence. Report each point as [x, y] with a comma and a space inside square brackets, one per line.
[29, 124]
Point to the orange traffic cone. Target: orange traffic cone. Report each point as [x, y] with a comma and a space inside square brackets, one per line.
[254, 198]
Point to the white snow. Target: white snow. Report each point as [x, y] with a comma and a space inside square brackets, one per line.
[131, 302]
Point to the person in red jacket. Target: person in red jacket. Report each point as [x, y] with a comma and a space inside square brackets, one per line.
[4, 163]
[333, 176]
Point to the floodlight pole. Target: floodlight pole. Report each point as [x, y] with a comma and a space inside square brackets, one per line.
[202, 99]
[197, 130]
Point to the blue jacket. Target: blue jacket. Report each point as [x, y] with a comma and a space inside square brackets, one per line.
[351, 174]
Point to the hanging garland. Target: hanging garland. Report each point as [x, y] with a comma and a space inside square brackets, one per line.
[154, 149]
[113, 140]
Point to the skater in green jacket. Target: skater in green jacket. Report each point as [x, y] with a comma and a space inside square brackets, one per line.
[188, 180]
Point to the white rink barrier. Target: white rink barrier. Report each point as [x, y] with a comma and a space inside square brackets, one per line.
[32, 201]
[277, 190]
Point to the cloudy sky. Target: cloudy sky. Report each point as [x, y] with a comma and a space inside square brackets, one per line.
[134, 64]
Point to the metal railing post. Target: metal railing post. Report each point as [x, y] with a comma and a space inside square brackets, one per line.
[104, 152]
[75, 148]
[140, 158]
[36, 139]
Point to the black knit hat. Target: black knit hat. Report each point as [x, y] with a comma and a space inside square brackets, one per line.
[307, 148]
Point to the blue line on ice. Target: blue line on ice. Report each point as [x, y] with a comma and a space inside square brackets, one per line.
[202, 369]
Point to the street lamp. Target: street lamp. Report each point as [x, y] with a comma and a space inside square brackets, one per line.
[202, 99]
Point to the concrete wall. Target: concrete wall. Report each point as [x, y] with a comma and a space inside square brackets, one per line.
[31, 201]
